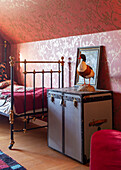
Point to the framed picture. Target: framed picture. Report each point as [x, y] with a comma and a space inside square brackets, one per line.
[92, 59]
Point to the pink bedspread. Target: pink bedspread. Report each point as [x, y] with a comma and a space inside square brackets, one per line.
[19, 98]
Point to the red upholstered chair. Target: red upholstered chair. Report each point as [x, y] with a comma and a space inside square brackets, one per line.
[105, 151]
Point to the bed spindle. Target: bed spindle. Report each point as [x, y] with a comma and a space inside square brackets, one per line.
[51, 72]
[34, 91]
[25, 95]
[59, 74]
[62, 65]
[43, 94]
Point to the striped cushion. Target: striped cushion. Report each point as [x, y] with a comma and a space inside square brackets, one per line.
[3, 74]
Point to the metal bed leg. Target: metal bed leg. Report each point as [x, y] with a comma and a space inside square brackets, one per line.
[12, 140]
[11, 118]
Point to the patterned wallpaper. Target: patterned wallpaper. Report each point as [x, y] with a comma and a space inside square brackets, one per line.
[110, 63]
[35, 20]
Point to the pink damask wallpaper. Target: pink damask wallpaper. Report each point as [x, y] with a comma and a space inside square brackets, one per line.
[35, 20]
[110, 63]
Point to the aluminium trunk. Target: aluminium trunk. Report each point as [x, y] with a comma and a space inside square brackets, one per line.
[74, 116]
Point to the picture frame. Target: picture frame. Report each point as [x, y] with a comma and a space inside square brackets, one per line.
[92, 54]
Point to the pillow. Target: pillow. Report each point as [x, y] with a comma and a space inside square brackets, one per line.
[6, 83]
[3, 74]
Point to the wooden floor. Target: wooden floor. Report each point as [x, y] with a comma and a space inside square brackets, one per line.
[31, 150]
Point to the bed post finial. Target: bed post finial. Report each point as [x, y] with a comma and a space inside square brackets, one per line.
[11, 61]
[62, 62]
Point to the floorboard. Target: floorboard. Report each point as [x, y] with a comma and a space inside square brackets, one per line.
[31, 150]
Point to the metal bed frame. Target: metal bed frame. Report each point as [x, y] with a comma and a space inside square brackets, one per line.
[27, 116]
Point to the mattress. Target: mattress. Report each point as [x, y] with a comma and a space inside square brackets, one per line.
[5, 100]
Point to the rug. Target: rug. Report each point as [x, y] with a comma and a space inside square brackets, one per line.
[7, 162]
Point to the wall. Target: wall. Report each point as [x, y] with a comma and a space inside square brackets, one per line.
[110, 63]
[36, 20]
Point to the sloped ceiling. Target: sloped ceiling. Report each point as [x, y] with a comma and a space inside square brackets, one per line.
[36, 20]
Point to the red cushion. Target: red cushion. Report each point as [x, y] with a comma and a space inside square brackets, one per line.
[105, 150]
